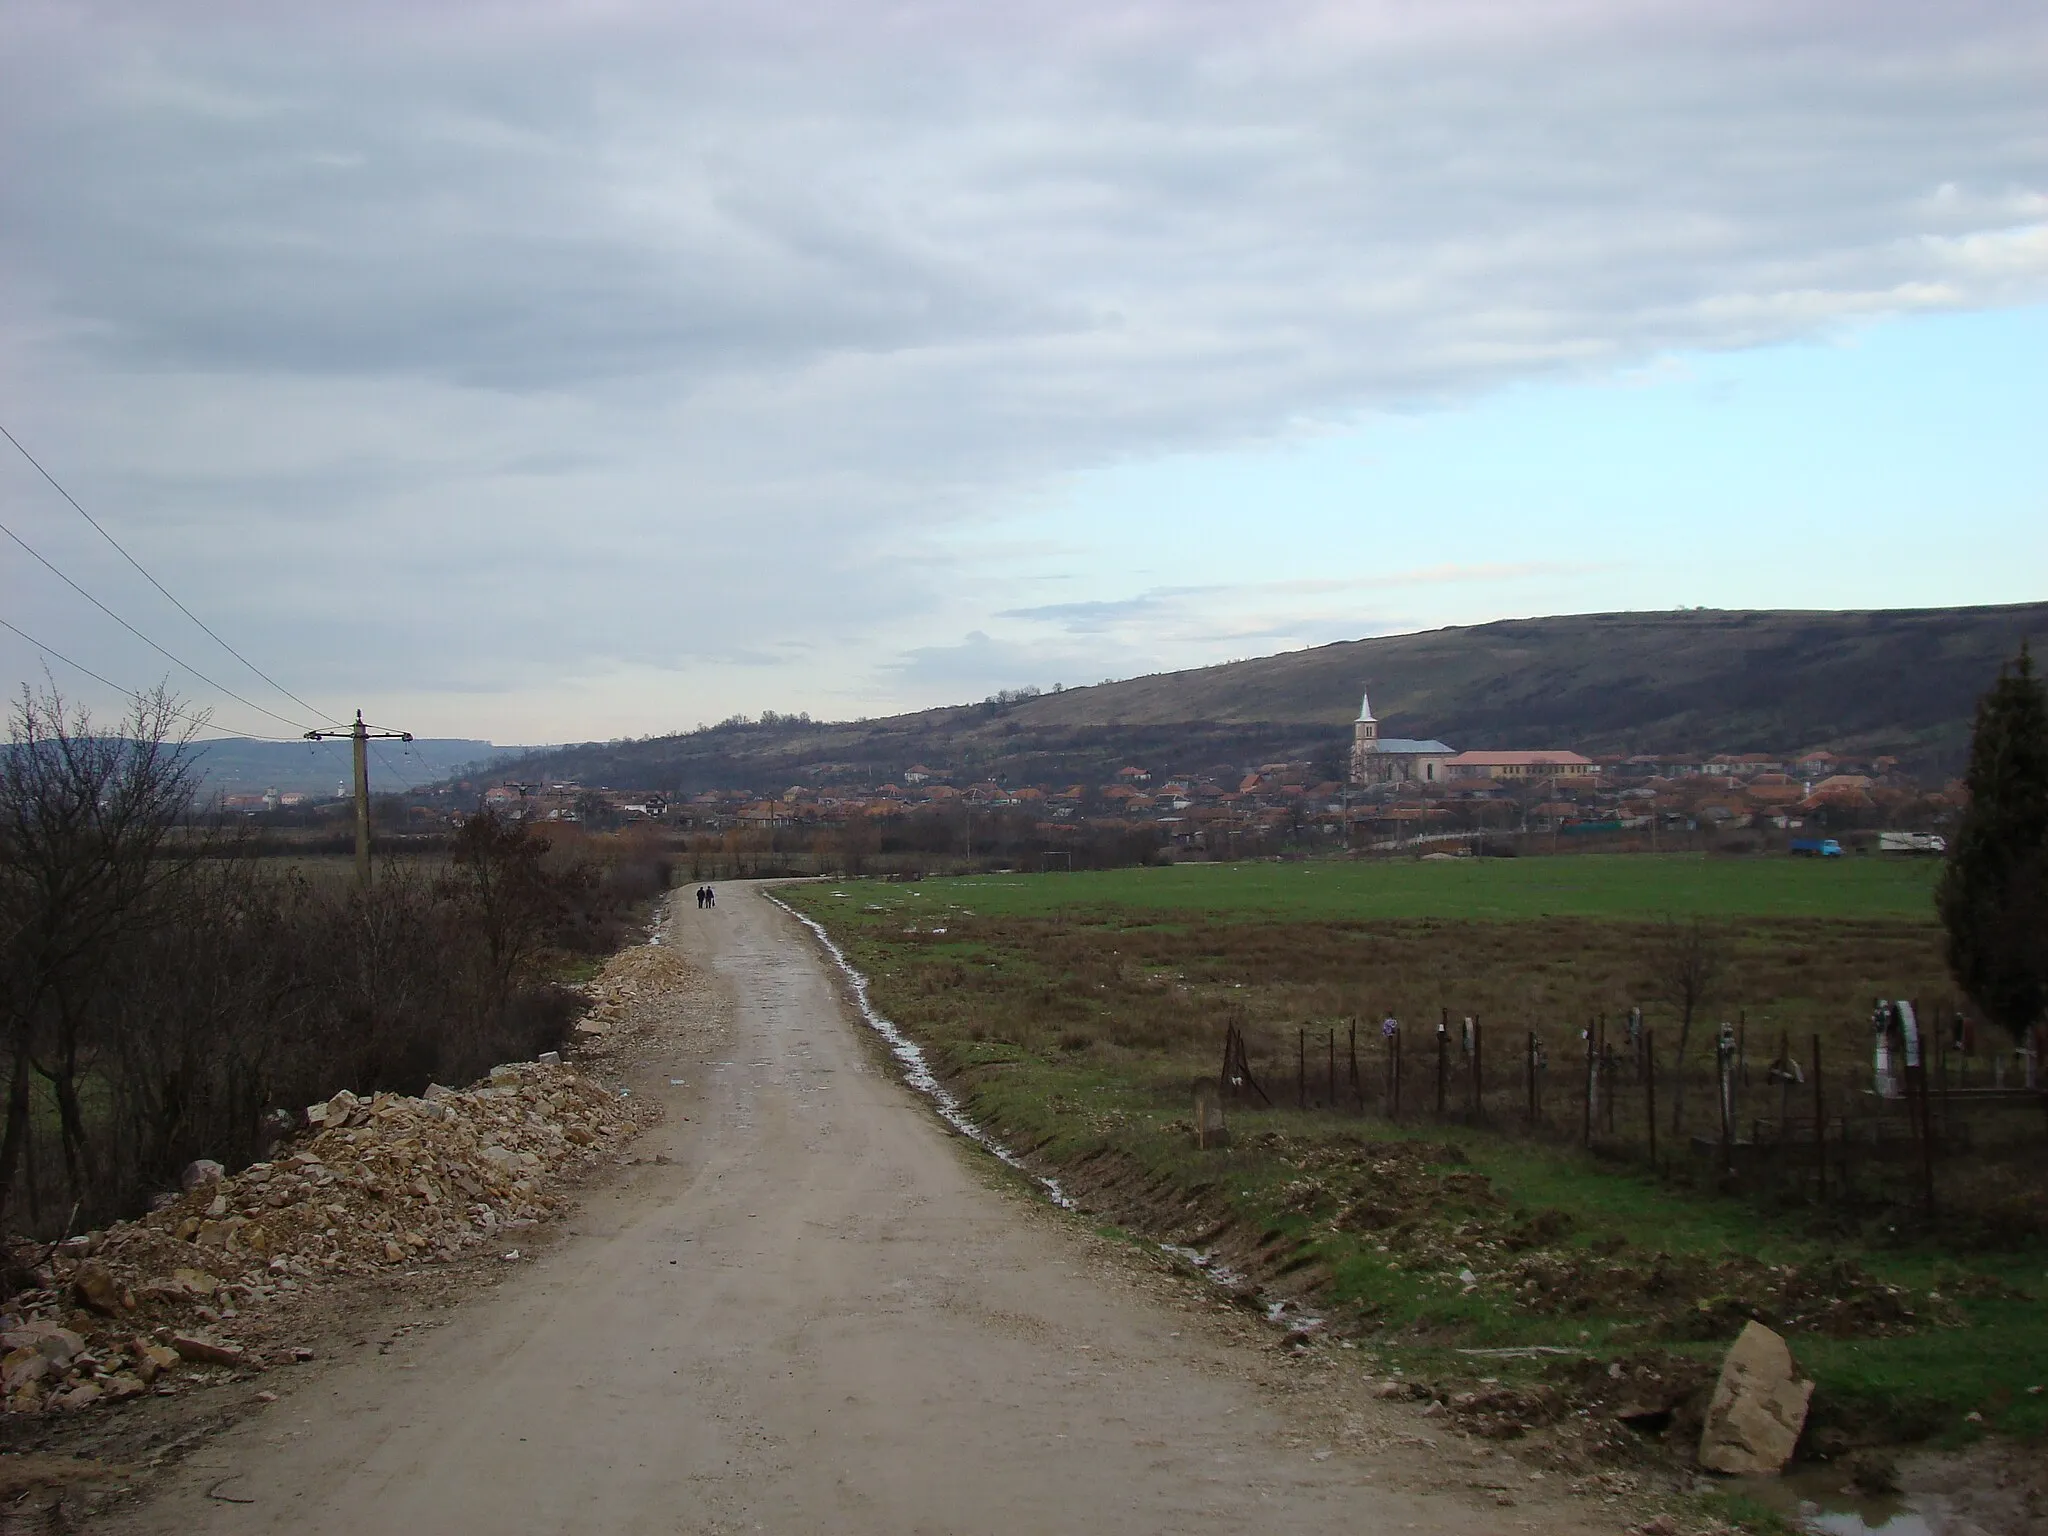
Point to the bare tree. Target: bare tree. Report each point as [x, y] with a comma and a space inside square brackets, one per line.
[857, 844]
[163, 993]
[86, 820]
[1688, 960]
[501, 882]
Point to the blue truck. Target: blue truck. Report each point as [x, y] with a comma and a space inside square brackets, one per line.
[1816, 848]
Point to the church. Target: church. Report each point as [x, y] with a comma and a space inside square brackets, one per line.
[1377, 759]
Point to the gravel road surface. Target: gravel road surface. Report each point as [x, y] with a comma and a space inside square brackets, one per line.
[822, 1313]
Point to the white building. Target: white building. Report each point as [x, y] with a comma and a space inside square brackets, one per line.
[1377, 759]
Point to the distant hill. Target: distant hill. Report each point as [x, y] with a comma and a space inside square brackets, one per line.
[236, 765]
[1903, 681]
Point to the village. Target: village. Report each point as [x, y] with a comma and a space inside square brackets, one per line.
[1392, 793]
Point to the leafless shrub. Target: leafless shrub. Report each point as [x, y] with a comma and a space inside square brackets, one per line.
[1687, 962]
[165, 993]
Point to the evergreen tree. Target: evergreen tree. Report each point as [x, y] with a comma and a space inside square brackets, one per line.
[1993, 896]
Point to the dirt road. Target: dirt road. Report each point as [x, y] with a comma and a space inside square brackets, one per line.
[819, 1316]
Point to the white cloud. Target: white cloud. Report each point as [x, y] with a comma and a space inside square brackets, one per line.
[663, 342]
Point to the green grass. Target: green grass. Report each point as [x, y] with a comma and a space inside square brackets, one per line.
[1586, 885]
[1985, 1358]
[1914, 1385]
[1070, 1037]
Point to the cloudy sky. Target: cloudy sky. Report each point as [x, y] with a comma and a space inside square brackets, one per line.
[561, 370]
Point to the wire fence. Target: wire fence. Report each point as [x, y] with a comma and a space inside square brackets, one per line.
[1732, 1110]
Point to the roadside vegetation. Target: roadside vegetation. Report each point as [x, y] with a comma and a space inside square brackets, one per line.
[1074, 1013]
[170, 994]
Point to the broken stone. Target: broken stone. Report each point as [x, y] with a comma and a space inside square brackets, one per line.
[152, 1360]
[550, 1058]
[96, 1288]
[24, 1367]
[196, 1283]
[1758, 1408]
[199, 1174]
[393, 1180]
[83, 1395]
[200, 1350]
[60, 1344]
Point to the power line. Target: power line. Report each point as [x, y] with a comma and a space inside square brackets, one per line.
[138, 634]
[166, 591]
[199, 720]
[392, 769]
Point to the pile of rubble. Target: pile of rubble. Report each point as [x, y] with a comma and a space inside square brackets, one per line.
[373, 1184]
[635, 981]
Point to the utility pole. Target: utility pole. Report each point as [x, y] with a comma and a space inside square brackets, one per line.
[361, 735]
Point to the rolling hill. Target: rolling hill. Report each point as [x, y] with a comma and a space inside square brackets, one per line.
[1903, 681]
[236, 765]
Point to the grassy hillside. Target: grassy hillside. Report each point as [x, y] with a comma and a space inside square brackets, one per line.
[1903, 681]
[1614, 681]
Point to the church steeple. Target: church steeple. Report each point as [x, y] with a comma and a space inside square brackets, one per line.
[1365, 733]
[1365, 706]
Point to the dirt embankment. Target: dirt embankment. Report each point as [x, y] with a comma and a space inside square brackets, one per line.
[1438, 1226]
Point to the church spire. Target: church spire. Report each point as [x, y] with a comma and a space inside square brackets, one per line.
[1365, 706]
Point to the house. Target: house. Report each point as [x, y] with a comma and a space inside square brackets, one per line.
[1518, 765]
[1377, 759]
[1781, 792]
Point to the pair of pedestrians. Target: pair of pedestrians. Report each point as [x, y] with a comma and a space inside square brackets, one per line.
[706, 897]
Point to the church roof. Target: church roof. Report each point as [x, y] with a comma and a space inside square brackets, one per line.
[1408, 747]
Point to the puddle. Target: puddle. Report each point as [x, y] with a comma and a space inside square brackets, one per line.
[1816, 1499]
[1222, 1274]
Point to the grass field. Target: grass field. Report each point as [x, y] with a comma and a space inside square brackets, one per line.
[1587, 885]
[1072, 1011]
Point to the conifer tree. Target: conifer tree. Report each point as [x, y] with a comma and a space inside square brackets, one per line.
[1993, 896]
